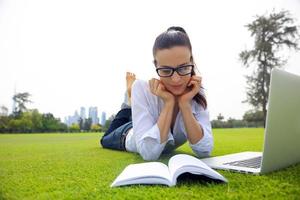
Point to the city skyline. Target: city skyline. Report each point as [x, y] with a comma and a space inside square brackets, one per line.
[92, 114]
[77, 58]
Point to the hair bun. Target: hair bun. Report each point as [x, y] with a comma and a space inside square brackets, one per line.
[176, 28]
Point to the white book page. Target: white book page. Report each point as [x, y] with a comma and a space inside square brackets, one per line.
[182, 163]
[140, 173]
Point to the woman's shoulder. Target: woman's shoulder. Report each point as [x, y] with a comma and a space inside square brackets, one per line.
[140, 89]
[140, 84]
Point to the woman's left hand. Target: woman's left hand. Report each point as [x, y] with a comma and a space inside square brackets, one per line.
[192, 89]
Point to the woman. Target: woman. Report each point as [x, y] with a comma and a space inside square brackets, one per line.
[165, 112]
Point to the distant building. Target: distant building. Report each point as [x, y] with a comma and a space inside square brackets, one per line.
[82, 113]
[72, 119]
[103, 118]
[93, 114]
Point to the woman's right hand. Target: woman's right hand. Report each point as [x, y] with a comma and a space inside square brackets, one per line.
[157, 88]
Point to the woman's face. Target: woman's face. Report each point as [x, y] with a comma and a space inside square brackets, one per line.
[174, 57]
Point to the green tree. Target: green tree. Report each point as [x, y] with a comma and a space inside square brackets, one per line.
[81, 123]
[31, 121]
[21, 125]
[96, 128]
[52, 124]
[4, 123]
[234, 123]
[272, 33]
[74, 128]
[3, 111]
[21, 99]
[36, 118]
[87, 124]
[63, 127]
[254, 118]
[220, 117]
[108, 122]
[217, 124]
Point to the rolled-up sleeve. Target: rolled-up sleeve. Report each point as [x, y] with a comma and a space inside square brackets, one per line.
[204, 146]
[145, 129]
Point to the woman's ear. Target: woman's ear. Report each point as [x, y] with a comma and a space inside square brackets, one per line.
[155, 63]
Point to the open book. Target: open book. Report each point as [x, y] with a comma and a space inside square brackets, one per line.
[159, 173]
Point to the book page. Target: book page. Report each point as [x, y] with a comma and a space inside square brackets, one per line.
[182, 163]
[144, 173]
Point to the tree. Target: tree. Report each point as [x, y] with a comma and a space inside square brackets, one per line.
[36, 119]
[22, 125]
[272, 33]
[220, 117]
[81, 123]
[21, 99]
[96, 128]
[4, 121]
[3, 111]
[50, 123]
[108, 122]
[87, 124]
[74, 128]
[254, 118]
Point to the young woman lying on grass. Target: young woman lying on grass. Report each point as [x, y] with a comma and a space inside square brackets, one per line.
[162, 114]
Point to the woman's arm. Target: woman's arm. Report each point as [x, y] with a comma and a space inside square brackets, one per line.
[197, 124]
[198, 129]
[165, 117]
[164, 121]
[193, 128]
[150, 128]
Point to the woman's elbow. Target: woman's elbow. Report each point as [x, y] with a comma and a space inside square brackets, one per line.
[150, 152]
[202, 154]
[204, 151]
[150, 156]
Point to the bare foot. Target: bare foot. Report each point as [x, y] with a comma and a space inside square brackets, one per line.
[130, 78]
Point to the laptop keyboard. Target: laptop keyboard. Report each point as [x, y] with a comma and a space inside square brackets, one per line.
[251, 163]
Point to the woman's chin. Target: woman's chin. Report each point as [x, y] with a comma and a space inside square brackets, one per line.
[177, 92]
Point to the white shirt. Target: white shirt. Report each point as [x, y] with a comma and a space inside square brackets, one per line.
[144, 138]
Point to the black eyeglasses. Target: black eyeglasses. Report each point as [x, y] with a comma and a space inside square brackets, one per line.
[182, 70]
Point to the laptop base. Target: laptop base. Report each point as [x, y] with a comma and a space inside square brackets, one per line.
[223, 162]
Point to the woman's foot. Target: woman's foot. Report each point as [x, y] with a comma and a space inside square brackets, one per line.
[130, 78]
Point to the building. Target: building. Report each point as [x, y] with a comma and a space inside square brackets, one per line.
[72, 119]
[103, 118]
[82, 113]
[93, 114]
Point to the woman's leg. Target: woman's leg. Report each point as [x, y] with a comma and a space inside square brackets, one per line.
[130, 78]
[114, 137]
[122, 117]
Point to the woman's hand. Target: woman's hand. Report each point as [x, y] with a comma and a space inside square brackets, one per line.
[157, 88]
[192, 89]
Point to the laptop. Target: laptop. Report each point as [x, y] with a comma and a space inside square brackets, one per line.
[282, 132]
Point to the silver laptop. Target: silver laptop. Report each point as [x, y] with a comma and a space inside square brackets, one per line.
[282, 133]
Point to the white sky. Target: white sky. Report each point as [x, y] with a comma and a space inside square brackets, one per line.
[70, 53]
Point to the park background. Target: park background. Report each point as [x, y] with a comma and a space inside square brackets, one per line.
[69, 54]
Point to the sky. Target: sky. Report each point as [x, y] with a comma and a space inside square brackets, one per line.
[70, 53]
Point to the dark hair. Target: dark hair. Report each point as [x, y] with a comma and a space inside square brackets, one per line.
[177, 36]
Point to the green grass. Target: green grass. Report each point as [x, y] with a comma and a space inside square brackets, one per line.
[73, 166]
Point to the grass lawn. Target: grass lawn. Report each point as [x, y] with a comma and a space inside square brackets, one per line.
[73, 166]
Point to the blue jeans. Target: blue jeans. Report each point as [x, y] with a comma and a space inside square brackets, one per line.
[115, 136]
